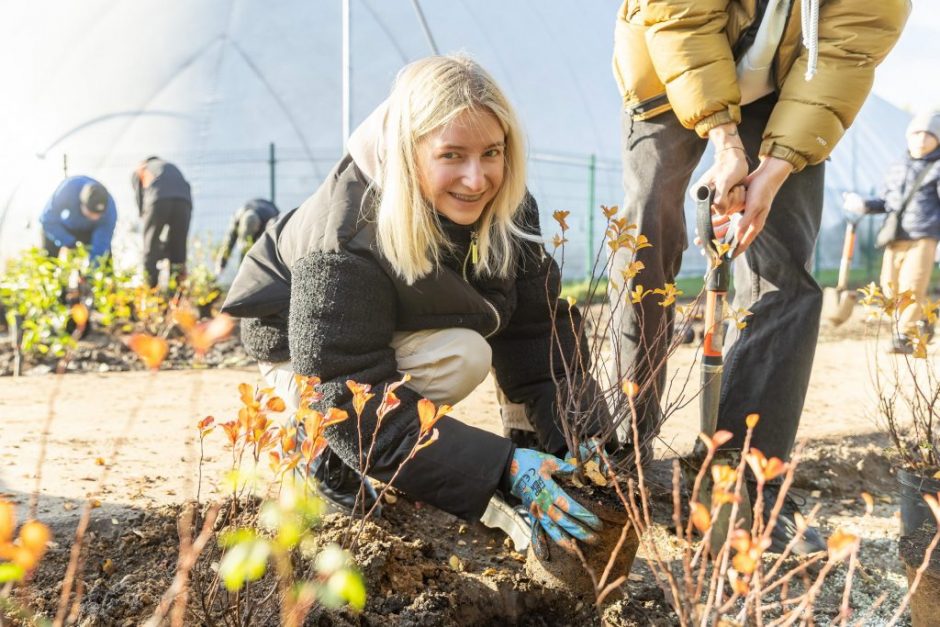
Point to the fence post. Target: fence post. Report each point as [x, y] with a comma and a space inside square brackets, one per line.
[589, 265]
[271, 169]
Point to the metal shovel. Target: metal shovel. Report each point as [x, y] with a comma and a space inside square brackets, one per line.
[717, 282]
[838, 301]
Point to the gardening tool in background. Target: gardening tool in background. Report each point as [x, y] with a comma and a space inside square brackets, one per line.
[717, 282]
[839, 301]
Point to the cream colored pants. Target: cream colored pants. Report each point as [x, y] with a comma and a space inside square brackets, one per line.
[445, 366]
[907, 266]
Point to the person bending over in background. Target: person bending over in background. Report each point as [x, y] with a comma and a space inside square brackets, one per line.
[421, 254]
[912, 189]
[247, 225]
[736, 73]
[80, 210]
[164, 200]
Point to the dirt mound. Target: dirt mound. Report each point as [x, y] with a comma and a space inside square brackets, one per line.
[424, 567]
[421, 567]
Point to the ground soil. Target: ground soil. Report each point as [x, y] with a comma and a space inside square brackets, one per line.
[128, 440]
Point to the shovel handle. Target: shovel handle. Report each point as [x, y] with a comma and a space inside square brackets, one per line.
[719, 276]
[848, 251]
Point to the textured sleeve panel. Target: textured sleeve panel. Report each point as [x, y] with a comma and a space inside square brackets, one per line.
[342, 317]
[811, 116]
[265, 339]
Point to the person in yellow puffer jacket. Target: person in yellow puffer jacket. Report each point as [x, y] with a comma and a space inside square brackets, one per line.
[767, 83]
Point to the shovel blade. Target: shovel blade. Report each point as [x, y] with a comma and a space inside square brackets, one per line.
[838, 305]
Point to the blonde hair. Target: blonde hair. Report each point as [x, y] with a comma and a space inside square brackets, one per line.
[427, 95]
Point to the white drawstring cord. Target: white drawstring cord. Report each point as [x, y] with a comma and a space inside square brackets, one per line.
[809, 15]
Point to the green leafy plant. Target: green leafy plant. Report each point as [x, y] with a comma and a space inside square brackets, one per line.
[33, 293]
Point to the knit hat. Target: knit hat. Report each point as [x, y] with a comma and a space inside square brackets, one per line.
[927, 122]
[94, 197]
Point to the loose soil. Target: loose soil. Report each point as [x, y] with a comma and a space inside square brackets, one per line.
[128, 440]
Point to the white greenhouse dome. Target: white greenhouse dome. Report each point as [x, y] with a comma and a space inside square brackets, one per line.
[246, 97]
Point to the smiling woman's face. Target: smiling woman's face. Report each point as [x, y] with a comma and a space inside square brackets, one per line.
[461, 165]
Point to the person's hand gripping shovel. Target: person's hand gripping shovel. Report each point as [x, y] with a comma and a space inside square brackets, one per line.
[716, 236]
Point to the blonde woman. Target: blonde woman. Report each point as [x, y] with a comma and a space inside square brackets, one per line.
[420, 254]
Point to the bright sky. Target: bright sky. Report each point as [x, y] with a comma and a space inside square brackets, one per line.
[910, 76]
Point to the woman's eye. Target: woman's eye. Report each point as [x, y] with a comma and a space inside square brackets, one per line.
[493, 152]
[449, 155]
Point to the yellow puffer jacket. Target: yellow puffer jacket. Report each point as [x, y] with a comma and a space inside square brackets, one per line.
[678, 54]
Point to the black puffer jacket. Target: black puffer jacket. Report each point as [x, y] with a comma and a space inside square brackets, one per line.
[921, 218]
[317, 273]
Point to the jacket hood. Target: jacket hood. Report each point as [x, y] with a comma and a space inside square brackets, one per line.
[366, 145]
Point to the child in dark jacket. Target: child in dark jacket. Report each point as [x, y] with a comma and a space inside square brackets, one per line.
[912, 188]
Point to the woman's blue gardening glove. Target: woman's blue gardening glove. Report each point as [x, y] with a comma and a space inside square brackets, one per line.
[551, 511]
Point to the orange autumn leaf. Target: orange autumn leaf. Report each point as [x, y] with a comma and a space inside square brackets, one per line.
[152, 350]
[630, 388]
[701, 518]
[724, 476]
[205, 334]
[428, 414]
[312, 448]
[746, 562]
[609, 212]
[24, 558]
[738, 584]
[79, 313]
[719, 438]
[740, 540]
[389, 402]
[290, 463]
[288, 438]
[774, 468]
[333, 416]
[765, 469]
[274, 460]
[308, 391]
[721, 497]
[560, 218]
[231, 430]
[205, 426]
[276, 404]
[361, 395]
[752, 420]
[841, 544]
[185, 318]
[246, 393]
[34, 536]
[869, 503]
[7, 521]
